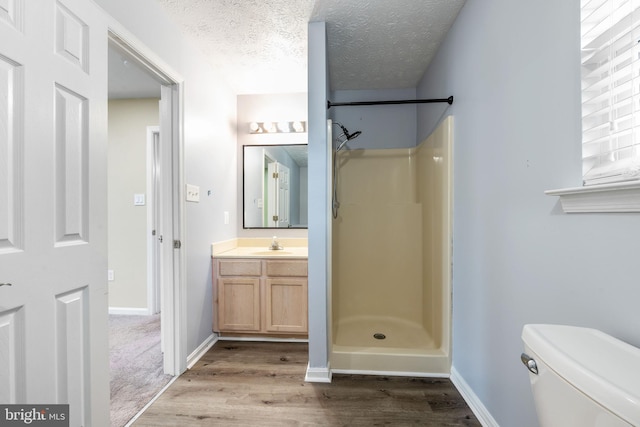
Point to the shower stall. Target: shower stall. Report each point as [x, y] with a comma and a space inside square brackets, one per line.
[391, 258]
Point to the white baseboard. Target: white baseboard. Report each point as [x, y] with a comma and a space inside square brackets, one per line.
[474, 402]
[201, 350]
[129, 311]
[318, 375]
[262, 339]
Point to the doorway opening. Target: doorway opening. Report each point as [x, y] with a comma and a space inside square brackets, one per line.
[144, 180]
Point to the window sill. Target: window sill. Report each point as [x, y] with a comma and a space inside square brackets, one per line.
[615, 197]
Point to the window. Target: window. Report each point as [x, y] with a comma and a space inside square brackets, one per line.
[610, 46]
[610, 49]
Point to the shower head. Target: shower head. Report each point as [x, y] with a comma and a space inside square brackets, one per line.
[348, 136]
[353, 135]
[346, 133]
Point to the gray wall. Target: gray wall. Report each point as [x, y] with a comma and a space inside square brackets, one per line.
[319, 214]
[382, 126]
[127, 227]
[513, 67]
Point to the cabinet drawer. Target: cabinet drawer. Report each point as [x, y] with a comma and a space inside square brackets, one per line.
[238, 267]
[291, 268]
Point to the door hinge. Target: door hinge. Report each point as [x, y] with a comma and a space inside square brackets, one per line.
[275, 217]
[177, 244]
[153, 232]
[276, 174]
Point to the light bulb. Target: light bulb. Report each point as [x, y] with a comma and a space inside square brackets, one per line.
[270, 127]
[283, 127]
[298, 127]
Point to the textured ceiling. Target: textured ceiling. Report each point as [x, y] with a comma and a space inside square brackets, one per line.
[261, 45]
[383, 44]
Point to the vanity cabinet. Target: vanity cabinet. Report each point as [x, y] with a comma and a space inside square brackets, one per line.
[260, 296]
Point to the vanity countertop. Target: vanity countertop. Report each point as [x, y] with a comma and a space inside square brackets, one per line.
[259, 248]
[264, 252]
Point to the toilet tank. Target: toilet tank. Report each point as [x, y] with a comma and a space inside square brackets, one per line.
[584, 377]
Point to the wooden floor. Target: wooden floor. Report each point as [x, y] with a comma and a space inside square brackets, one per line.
[262, 384]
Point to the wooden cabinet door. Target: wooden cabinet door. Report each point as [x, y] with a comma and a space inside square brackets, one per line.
[286, 305]
[239, 304]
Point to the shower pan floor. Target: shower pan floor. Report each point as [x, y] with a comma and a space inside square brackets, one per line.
[360, 331]
[407, 348]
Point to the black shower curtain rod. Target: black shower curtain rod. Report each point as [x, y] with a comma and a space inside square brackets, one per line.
[448, 100]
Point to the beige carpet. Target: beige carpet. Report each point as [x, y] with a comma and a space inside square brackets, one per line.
[135, 360]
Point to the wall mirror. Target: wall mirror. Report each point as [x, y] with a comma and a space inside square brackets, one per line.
[274, 179]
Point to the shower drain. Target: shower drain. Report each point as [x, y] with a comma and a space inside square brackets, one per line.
[379, 336]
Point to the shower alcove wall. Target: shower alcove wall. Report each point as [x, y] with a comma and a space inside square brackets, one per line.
[391, 259]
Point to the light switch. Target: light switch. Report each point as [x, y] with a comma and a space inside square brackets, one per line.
[110, 275]
[193, 193]
[138, 199]
[226, 217]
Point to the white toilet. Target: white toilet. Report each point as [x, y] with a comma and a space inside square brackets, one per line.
[582, 377]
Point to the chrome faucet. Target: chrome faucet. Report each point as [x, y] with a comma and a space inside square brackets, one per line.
[275, 246]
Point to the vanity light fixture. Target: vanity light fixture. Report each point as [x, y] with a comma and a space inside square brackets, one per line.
[279, 127]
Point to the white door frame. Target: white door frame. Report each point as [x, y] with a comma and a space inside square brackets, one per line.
[174, 335]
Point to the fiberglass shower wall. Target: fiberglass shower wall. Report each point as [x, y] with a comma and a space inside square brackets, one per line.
[390, 257]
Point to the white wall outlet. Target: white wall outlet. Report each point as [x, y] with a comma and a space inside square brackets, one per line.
[226, 217]
[193, 193]
[138, 200]
[110, 275]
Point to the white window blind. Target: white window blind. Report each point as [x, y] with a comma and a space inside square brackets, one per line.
[610, 48]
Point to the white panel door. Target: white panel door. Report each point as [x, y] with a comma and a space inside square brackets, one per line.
[278, 196]
[272, 195]
[53, 302]
[284, 196]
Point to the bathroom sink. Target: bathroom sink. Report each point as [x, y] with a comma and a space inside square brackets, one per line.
[268, 252]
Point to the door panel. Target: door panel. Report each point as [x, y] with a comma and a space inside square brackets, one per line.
[71, 350]
[11, 13]
[11, 142]
[12, 371]
[72, 37]
[53, 317]
[71, 171]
